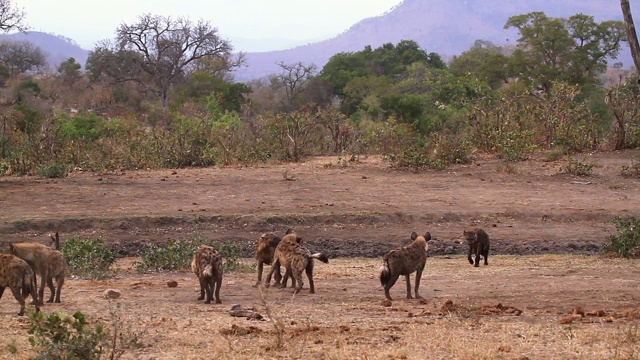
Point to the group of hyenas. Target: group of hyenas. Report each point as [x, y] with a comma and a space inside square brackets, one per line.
[23, 261]
[289, 252]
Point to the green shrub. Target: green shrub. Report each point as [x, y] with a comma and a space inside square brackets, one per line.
[88, 258]
[53, 170]
[177, 255]
[627, 242]
[60, 336]
[577, 167]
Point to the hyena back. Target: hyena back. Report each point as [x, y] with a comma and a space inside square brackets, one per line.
[17, 275]
[404, 261]
[47, 263]
[207, 264]
[478, 241]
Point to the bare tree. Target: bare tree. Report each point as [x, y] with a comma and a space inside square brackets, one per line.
[632, 36]
[294, 78]
[10, 17]
[22, 56]
[157, 52]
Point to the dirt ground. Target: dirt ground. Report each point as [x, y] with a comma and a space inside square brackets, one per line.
[545, 227]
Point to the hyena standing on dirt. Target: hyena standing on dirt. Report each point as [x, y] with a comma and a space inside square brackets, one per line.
[478, 241]
[264, 254]
[47, 263]
[296, 259]
[207, 265]
[288, 242]
[17, 275]
[404, 261]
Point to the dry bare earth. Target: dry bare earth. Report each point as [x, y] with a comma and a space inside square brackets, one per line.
[361, 210]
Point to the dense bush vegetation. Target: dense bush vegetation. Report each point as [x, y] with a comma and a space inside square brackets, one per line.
[397, 101]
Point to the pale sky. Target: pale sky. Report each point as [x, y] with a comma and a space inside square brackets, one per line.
[88, 21]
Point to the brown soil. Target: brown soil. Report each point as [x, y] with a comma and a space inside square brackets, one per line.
[361, 209]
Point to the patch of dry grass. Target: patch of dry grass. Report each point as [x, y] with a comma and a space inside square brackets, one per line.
[347, 319]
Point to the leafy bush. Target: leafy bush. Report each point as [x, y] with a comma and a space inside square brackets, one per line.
[577, 167]
[627, 242]
[60, 336]
[53, 170]
[177, 255]
[88, 258]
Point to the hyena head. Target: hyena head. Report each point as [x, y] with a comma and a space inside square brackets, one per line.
[421, 241]
[470, 236]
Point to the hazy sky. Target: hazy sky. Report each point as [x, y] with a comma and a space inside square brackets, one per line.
[88, 21]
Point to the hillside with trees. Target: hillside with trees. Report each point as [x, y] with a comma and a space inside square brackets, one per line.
[161, 94]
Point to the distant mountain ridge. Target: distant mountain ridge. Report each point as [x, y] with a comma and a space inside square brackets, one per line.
[447, 27]
[56, 48]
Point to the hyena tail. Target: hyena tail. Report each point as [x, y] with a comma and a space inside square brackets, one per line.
[322, 257]
[208, 271]
[385, 273]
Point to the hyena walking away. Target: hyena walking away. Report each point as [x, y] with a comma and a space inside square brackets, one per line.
[207, 265]
[264, 254]
[296, 259]
[478, 241]
[404, 261]
[17, 275]
[47, 263]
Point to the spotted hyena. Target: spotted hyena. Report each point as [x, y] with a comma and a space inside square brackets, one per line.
[404, 261]
[208, 266]
[46, 262]
[17, 275]
[264, 254]
[296, 258]
[284, 245]
[478, 241]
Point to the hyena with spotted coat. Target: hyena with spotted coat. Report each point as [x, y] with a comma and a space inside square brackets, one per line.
[207, 264]
[286, 244]
[296, 258]
[17, 275]
[405, 261]
[265, 253]
[46, 262]
[478, 241]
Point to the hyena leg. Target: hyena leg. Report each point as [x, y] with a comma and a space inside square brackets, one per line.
[469, 256]
[486, 257]
[298, 276]
[43, 280]
[418, 277]
[217, 285]
[202, 286]
[208, 288]
[477, 264]
[274, 264]
[17, 294]
[389, 285]
[260, 268]
[408, 280]
[277, 277]
[52, 289]
[59, 282]
[309, 270]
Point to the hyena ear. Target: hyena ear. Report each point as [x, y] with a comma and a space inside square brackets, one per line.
[414, 235]
[289, 231]
[427, 236]
[298, 239]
